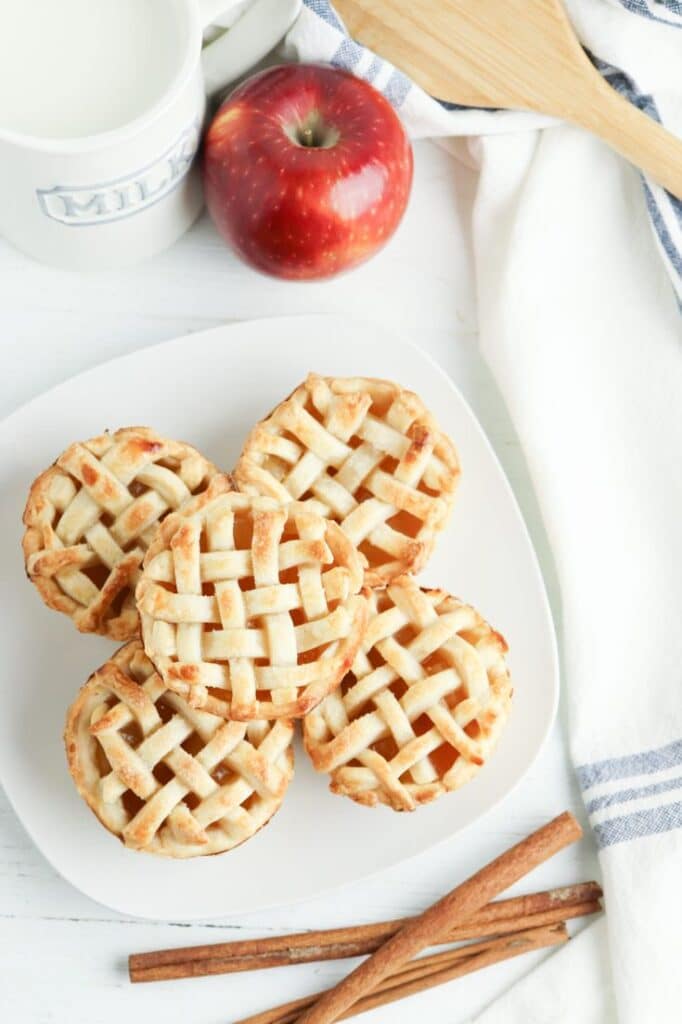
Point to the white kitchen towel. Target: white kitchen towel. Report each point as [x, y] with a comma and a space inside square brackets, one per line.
[572, 987]
[577, 324]
[580, 327]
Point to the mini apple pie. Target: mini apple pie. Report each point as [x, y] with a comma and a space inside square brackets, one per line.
[368, 455]
[423, 706]
[90, 517]
[249, 608]
[167, 778]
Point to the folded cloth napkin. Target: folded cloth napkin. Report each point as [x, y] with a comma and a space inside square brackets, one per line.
[581, 328]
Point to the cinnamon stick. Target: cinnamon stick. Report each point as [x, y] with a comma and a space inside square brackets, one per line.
[419, 975]
[498, 918]
[452, 909]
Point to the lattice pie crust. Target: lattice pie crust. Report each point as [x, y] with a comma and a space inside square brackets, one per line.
[365, 453]
[168, 778]
[90, 517]
[251, 609]
[423, 706]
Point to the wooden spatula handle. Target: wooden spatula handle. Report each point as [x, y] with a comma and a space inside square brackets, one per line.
[632, 133]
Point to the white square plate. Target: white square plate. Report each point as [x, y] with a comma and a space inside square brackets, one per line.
[208, 389]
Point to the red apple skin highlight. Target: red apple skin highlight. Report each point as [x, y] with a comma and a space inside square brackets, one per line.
[307, 170]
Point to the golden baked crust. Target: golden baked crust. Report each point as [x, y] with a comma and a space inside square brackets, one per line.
[367, 454]
[90, 517]
[249, 608]
[166, 778]
[423, 706]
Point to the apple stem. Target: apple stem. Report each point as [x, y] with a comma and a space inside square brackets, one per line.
[312, 133]
[307, 136]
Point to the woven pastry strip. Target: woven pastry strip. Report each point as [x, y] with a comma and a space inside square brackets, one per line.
[368, 455]
[167, 778]
[423, 706]
[91, 516]
[249, 608]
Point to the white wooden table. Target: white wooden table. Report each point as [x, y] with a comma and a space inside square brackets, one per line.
[63, 957]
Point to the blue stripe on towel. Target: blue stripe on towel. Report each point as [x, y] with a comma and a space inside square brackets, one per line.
[669, 247]
[348, 55]
[397, 88]
[639, 824]
[666, 11]
[633, 794]
[611, 820]
[643, 763]
[323, 9]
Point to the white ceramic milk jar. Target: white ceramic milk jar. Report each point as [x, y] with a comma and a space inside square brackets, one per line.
[102, 104]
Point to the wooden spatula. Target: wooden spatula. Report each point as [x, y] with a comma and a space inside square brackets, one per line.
[512, 54]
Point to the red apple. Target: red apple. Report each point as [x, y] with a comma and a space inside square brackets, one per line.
[307, 170]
